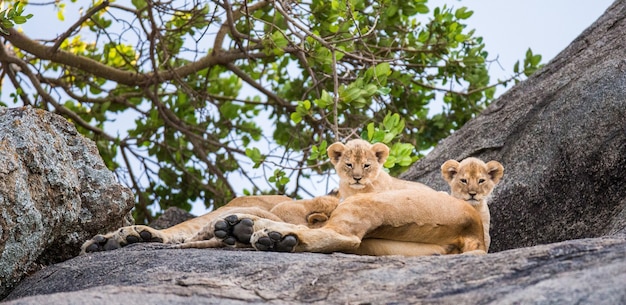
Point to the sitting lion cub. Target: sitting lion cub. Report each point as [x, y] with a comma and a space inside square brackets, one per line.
[473, 181]
[359, 166]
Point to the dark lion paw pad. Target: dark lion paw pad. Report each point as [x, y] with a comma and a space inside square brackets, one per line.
[230, 241]
[131, 239]
[93, 248]
[243, 230]
[275, 241]
[231, 230]
[98, 244]
[147, 237]
[111, 244]
[232, 219]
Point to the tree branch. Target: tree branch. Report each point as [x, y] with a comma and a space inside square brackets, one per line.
[78, 23]
[124, 77]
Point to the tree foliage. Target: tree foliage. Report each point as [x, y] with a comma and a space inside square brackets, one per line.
[198, 101]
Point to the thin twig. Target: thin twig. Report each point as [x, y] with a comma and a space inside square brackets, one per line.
[78, 23]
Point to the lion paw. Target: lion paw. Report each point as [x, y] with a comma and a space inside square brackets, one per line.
[274, 241]
[121, 238]
[231, 230]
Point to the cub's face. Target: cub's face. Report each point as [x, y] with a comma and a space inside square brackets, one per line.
[472, 180]
[358, 163]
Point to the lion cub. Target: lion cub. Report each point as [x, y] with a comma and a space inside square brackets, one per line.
[473, 181]
[359, 165]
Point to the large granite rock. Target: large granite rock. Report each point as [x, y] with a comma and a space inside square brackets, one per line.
[591, 271]
[562, 138]
[55, 192]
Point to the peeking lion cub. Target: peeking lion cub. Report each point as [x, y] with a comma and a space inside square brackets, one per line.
[359, 166]
[473, 181]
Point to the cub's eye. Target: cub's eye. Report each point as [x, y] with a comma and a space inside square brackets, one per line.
[349, 165]
[481, 181]
[366, 166]
[464, 181]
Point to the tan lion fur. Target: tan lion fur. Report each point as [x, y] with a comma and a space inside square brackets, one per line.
[473, 180]
[380, 215]
[359, 166]
[405, 222]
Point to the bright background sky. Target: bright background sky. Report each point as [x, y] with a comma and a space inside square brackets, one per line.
[510, 27]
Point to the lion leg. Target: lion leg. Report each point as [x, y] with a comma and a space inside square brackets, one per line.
[379, 247]
[281, 238]
[473, 244]
[268, 235]
[310, 212]
[123, 237]
[200, 244]
[229, 230]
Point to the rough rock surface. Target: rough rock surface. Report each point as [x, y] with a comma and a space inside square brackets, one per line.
[561, 136]
[591, 271]
[171, 216]
[55, 192]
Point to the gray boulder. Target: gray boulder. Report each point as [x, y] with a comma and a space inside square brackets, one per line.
[55, 192]
[591, 271]
[561, 136]
[170, 217]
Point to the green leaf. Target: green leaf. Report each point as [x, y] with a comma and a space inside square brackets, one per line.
[19, 19]
[280, 42]
[295, 117]
[463, 13]
[382, 70]
[255, 155]
[384, 90]
[370, 132]
[388, 137]
[370, 89]
[422, 9]
[139, 4]
[229, 110]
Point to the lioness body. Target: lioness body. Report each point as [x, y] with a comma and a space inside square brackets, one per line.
[430, 222]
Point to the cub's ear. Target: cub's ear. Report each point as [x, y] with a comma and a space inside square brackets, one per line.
[495, 170]
[316, 218]
[449, 169]
[381, 151]
[335, 151]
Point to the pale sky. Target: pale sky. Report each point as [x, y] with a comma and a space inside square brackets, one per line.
[510, 27]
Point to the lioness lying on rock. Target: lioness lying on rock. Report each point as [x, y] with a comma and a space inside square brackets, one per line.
[435, 222]
[356, 154]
